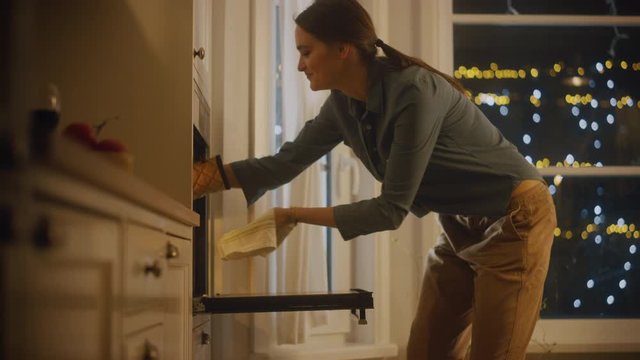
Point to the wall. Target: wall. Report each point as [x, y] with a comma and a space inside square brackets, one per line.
[231, 104]
[130, 59]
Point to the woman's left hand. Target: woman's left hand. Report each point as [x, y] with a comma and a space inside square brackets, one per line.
[285, 222]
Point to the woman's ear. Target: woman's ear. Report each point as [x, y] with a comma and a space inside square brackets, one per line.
[345, 50]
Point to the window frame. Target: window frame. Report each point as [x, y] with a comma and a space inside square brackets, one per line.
[554, 335]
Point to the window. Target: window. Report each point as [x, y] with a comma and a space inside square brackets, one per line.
[546, 7]
[283, 102]
[278, 138]
[561, 79]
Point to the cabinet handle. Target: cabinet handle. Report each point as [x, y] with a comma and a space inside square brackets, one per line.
[150, 351]
[42, 234]
[199, 53]
[172, 251]
[205, 339]
[154, 269]
[6, 225]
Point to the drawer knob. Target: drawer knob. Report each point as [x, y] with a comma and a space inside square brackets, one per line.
[6, 225]
[205, 338]
[199, 53]
[172, 251]
[154, 269]
[42, 234]
[150, 351]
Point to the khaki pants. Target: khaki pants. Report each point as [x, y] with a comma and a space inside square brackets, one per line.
[489, 272]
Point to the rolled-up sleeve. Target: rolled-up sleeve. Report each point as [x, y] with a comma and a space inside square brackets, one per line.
[317, 137]
[417, 112]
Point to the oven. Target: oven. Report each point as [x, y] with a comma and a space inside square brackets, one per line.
[200, 233]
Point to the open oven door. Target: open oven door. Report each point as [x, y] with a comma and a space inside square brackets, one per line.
[356, 300]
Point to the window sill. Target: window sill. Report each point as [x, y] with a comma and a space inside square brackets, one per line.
[582, 348]
[318, 351]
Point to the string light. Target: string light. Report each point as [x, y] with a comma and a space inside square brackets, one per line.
[491, 99]
[536, 118]
[588, 108]
[495, 71]
[622, 284]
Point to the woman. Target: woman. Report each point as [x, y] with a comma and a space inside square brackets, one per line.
[433, 150]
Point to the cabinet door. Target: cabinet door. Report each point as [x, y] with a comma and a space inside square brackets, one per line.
[71, 292]
[202, 47]
[177, 292]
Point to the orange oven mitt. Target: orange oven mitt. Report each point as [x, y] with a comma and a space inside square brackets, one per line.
[208, 176]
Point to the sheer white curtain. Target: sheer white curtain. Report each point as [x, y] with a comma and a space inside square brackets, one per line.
[301, 261]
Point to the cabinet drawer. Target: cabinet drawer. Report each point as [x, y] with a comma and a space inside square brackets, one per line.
[148, 344]
[151, 258]
[145, 267]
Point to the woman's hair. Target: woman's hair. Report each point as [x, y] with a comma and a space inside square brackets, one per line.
[332, 21]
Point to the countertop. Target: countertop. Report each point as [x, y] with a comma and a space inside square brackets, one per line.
[72, 158]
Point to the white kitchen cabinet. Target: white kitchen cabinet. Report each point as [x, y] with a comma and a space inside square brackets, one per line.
[158, 293]
[157, 276]
[70, 297]
[202, 45]
[133, 60]
[104, 270]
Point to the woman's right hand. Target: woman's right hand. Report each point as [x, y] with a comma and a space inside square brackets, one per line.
[206, 177]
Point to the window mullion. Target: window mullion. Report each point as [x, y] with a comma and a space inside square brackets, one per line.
[545, 20]
[591, 171]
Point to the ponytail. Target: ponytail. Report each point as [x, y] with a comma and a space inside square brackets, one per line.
[347, 21]
[398, 60]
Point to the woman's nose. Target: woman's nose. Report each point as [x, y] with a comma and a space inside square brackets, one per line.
[301, 65]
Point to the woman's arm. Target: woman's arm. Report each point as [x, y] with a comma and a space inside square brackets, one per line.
[287, 218]
[315, 216]
[317, 137]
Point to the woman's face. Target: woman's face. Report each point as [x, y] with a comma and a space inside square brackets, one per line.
[320, 62]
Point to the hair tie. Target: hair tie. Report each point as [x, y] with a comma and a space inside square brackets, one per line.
[379, 43]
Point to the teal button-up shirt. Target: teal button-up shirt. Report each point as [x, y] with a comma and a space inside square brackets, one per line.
[429, 145]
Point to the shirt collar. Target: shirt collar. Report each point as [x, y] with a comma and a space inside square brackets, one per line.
[375, 99]
[375, 91]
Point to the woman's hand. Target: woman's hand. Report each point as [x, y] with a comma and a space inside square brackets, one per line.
[285, 222]
[206, 178]
[287, 218]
